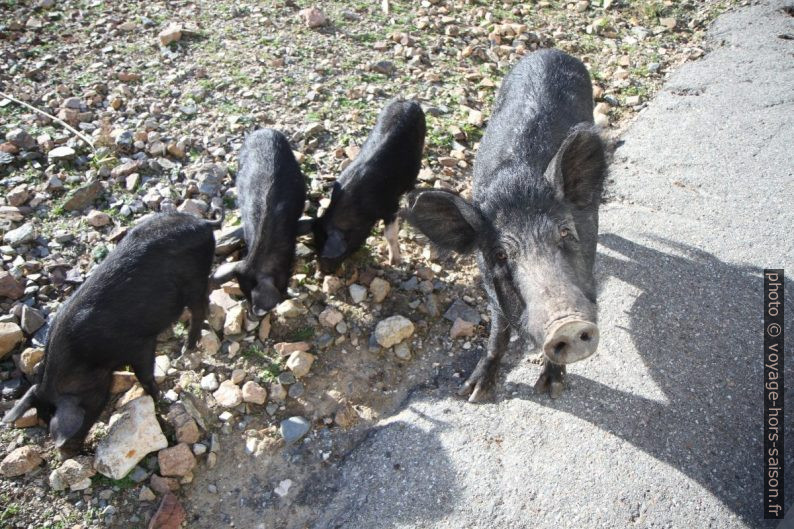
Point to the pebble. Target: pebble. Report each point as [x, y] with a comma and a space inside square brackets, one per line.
[461, 327]
[209, 382]
[300, 362]
[393, 330]
[290, 308]
[161, 366]
[171, 33]
[287, 348]
[283, 488]
[277, 392]
[331, 284]
[233, 324]
[10, 287]
[209, 343]
[146, 494]
[358, 293]
[24, 234]
[20, 461]
[11, 335]
[98, 219]
[31, 320]
[83, 196]
[61, 153]
[133, 433]
[254, 393]
[459, 309]
[228, 394]
[176, 461]
[74, 474]
[313, 17]
[330, 317]
[380, 289]
[402, 351]
[170, 514]
[294, 428]
[28, 419]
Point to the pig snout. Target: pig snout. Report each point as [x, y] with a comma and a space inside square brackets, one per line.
[570, 341]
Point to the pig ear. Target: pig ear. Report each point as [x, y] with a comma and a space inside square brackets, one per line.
[335, 245]
[305, 226]
[225, 272]
[577, 170]
[67, 421]
[25, 403]
[445, 218]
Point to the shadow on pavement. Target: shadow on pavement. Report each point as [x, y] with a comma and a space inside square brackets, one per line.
[697, 325]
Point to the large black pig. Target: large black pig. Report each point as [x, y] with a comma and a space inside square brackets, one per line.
[533, 219]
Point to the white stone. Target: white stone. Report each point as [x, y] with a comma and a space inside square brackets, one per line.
[393, 330]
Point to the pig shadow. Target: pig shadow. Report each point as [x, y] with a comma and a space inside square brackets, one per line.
[697, 326]
[383, 482]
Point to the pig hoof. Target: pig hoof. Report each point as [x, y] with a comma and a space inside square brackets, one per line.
[551, 380]
[476, 388]
[395, 260]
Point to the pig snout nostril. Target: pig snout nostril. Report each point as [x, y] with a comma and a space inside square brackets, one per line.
[585, 337]
[559, 348]
[571, 341]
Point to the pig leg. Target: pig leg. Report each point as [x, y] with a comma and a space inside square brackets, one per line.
[390, 234]
[198, 313]
[143, 367]
[551, 379]
[482, 379]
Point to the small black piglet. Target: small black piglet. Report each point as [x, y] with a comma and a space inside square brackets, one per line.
[370, 188]
[113, 319]
[271, 193]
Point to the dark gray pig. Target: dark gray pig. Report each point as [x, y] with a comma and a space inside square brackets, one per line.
[370, 188]
[113, 319]
[271, 192]
[533, 220]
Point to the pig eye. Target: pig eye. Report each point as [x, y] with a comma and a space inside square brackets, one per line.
[501, 255]
[564, 232]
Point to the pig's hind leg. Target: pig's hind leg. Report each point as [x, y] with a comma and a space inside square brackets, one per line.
[480, 383]
[143, 367]
[198, 313]
[551, 379]
[390, 233]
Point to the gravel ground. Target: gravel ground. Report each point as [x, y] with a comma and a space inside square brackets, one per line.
[386, 446]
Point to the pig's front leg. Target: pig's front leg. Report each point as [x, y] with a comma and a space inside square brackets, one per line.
[481, 382]
[551, 379]
[390, 233]
[143, 367]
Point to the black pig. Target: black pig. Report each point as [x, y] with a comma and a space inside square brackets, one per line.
[271, 192]
[370, 188]
[113, 319]
[538, 179]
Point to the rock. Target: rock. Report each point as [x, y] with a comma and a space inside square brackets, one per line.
[21, 139]
[18, 196]
[193, 207]
[220, 302]
[185, 427]
[331, 284]
[31, 320]
[283, 488]
[358, 293]
[97, 219]
[294, 428]
[278, 392]
[74, 474]
[346, 416]
[601, 120]
[475, 118]
[254, 393]
[300, 363]
[22, 235]
[290, 308]
[83, 196]
[287, 348]
[10, 336]
[61, 153]
[393, 330]
[29, 358]
[132, 434]
[122, 381]
[383, 67]
[176, 461]
[669, 23]
[380, 289]
[228, 394]
[20, 461]
[264, 328]
[330, 317]
[238, 375]
[209, 382]
[402, 351]
[171, 33]
[459, 309]
[170, 514]
[460, 328]
[161, 366]
[10, 287]
[209, 342]
[163, 485]
[146, 494]
[233, 324]
[28, 419]
[313, 17]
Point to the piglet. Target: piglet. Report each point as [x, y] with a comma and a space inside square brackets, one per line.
[271, 193]
[113, 319]
[370, 188]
